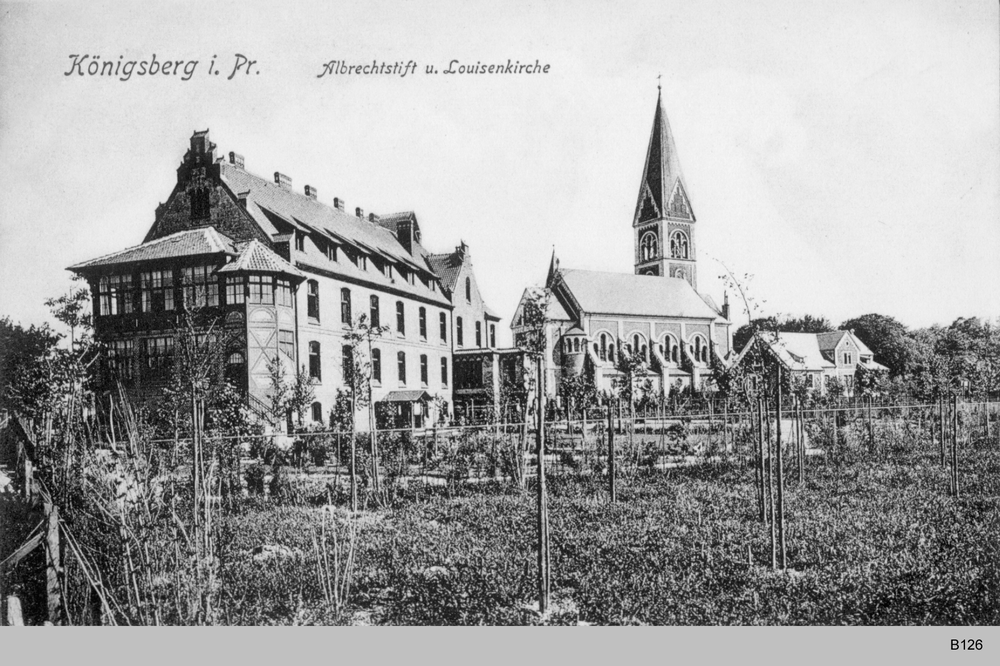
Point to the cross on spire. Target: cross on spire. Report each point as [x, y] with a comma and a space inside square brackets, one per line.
[658, 77]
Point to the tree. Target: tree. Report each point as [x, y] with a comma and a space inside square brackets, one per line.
[300, 394]
[359, 339]
[73, 310]
[277, 393]
[887, 338]
[26, 355]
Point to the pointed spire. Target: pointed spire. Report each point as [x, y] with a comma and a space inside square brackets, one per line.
[553, 268]
[661, 174]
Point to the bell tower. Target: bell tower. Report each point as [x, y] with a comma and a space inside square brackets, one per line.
[663, 224]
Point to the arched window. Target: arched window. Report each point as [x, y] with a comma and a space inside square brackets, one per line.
[679, 248]
[345, 305]
[604, 347]
[317, 412]
[576, 345]
[671, 350]
[377, 365]
[648, 246]
[468, 290]
[700, 348]
[611, 353]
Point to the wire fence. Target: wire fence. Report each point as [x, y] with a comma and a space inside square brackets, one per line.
[581, 447]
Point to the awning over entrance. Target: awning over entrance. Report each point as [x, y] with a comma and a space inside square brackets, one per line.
[408, 396]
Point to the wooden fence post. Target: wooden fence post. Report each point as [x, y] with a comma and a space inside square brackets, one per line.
[781, 476]
[53, 565]
[543, 509]
[941, 431]
[612, 490]
[954, 446]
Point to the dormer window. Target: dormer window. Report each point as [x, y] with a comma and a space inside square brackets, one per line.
[331, 252]
[300, 242]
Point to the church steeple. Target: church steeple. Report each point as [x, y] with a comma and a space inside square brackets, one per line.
[664, 241]
[661, 193]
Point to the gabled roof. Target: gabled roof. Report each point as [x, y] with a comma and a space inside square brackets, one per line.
[447, 267]
[638, 295]
[829, 341]
[273, 206]
[799, 351]
[258, 258]
[269, 204]
[181, 244]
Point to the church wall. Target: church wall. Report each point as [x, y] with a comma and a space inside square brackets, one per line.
[609, 325]
[667, 327]
[629, 328]
[691, 329]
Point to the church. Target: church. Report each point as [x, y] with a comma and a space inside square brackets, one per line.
[657, 312]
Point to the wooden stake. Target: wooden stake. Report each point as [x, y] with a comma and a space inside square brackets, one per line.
[53, 565]
[612, 489]
[781, 479]
[543, 509]
[954, 446]
[941, 434]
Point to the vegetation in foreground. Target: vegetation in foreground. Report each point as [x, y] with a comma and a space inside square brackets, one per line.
[872, 541]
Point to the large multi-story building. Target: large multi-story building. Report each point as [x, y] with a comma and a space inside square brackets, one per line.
[593, 317]
[287, 277]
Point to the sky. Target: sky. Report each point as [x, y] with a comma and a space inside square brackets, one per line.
[841, 158]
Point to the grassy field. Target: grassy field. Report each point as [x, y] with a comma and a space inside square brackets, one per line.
[873, 539]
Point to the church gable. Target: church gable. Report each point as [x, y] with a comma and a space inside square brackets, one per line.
[648, 209]
[679, 206]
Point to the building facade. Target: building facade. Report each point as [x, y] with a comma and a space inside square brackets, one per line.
[594, 317]
[287, 278]
[815, 359]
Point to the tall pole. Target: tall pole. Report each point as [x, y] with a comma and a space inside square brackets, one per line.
[612, 490]
[761, 473]
[543, 509]
[941, 427]
[781, 476]
[954, 445]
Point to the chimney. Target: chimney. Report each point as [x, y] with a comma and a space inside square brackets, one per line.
[359, 212]
[241, 198]
[725, 305]
[284, 181]
[310, 191]
[373, 218]
[462, 249]
[236, 159]
[338, 203]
